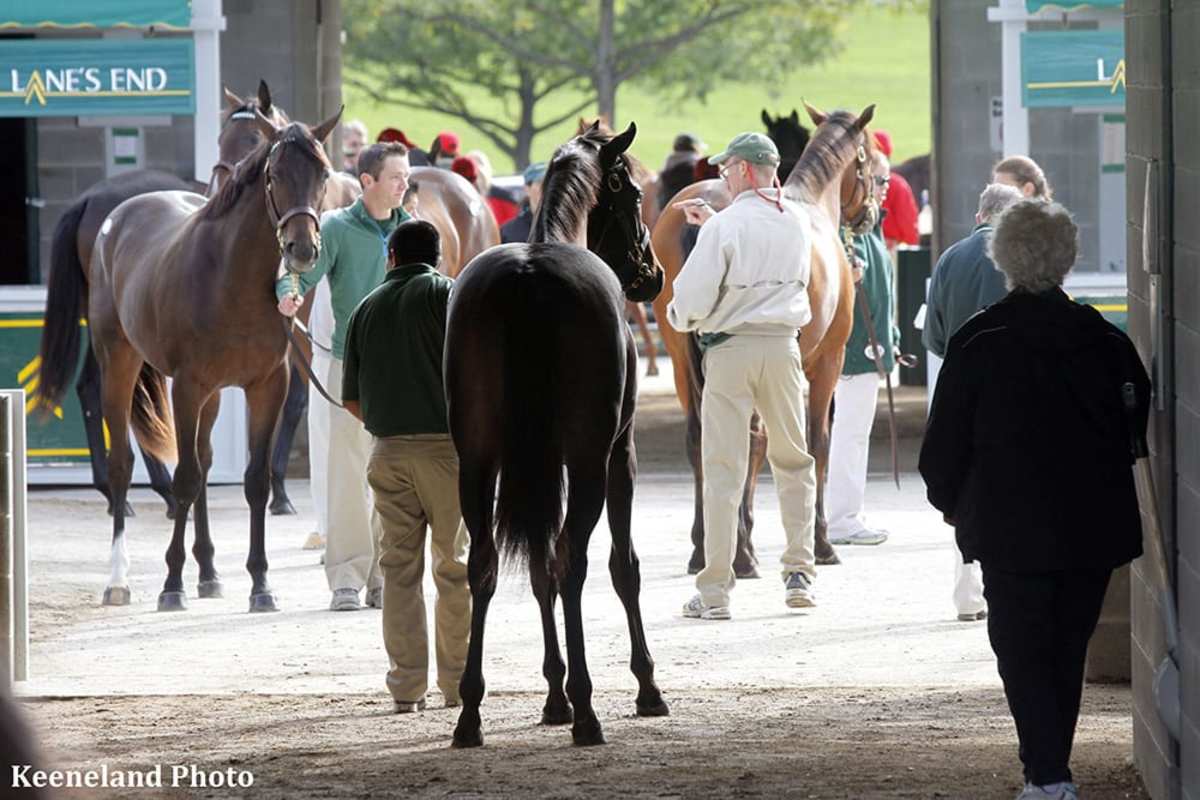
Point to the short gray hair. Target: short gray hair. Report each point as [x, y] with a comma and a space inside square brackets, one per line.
[1034, 245]
[995, 198]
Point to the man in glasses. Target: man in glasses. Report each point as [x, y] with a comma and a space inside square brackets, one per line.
[744, 290]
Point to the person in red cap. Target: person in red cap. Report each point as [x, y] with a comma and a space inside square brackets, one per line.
[444, 149]
[416, 156]
[899, 205]
[465, 167]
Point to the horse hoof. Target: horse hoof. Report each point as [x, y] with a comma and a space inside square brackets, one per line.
[587, 733]
[746, 573]
[172, 510]
[829, 559]
[281, 507]
[263, 602]
[172, 601]
[558, 714]
[117, 596]
[464, 739]
[210, 589]
[655, 706]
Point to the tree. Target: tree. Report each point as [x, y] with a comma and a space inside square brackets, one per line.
[523, 52]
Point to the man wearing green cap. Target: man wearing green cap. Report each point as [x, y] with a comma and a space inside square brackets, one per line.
[517, 229]
[744, 290]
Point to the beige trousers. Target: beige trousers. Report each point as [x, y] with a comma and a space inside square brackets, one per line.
[415, 480]
[351, 557]
[740, 375]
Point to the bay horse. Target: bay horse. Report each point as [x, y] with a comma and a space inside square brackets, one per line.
[832, 181]
[71, 248]
[183, 288]
[523, 418]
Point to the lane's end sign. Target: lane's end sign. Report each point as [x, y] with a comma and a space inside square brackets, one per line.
[58, 77]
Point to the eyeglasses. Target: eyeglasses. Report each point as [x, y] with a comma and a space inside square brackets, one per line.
[725, 170]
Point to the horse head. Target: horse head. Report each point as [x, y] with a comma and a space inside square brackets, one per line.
[616, 231]
[846, 136]
[789, 136]
[240, 134]
[296, 170]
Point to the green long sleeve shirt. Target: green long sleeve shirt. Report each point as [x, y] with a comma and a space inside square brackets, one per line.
[877, 283]
[353, 257]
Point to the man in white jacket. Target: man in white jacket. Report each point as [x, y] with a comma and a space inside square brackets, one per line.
[744, 290]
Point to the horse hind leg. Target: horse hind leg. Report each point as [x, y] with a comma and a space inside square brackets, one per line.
[585, 500]
[820, 402]
[265, 399]
[188, 400]
[624, 568]
[557, 710]
[120, 368]
[476, 489]
[202, 548]
[745, 560]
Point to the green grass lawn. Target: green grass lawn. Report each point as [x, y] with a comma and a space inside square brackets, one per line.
[884, 60]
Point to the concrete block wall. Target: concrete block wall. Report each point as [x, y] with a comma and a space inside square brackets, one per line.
[276, 42]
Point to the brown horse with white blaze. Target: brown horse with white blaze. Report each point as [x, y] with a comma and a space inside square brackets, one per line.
[182, 288]
[832, 181]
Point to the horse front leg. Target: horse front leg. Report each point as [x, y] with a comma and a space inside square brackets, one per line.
[625, 570]
[476, 491]
[265, 400]
[202, 548]
[822, 383]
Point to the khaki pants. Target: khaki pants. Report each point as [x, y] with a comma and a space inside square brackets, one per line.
[740, 375]
[415, 480]
[351, 560]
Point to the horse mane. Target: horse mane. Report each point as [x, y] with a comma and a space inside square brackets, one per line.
[825, 156]
[252, 167]
[569, 188]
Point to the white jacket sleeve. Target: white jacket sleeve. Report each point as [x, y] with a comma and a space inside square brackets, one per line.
[697, 287]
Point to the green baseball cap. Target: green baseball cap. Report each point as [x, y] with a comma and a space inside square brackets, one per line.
[755, 148]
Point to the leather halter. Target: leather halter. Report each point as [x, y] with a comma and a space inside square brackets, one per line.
[279, 220]
[636, 253]
[245, 112]
[864, 187]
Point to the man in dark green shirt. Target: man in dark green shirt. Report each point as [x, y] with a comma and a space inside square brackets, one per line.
[393, 383]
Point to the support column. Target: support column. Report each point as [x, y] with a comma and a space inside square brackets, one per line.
[1011, 16]
[207, 24]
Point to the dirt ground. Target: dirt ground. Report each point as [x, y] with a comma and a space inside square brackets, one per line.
[876, 693]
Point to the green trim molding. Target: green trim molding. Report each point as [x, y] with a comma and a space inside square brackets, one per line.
[96, 14]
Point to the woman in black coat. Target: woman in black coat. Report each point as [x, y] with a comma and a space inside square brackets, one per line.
[1028, 454]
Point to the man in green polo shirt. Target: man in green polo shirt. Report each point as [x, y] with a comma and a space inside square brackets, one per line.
[353, 258]
[393, 383]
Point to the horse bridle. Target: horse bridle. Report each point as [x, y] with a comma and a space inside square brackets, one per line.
[864, 184]
[241, 113]
[645, 272]
[279, 220]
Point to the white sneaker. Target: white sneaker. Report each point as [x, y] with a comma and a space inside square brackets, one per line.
[799, 593]
[1050, 791]
[344, 600]
[865, 536]
[696, 609]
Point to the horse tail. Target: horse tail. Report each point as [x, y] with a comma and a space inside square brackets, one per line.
[529, 504]
[66, 302]
[152, 420]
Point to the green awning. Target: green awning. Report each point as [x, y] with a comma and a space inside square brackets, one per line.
[95, 14]
[1073, 68]
[1033, 6]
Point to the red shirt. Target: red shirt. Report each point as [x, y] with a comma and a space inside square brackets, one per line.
[900, 223]
[504, 210]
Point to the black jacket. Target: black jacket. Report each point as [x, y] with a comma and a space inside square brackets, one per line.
[517, 229]
[1028, 447]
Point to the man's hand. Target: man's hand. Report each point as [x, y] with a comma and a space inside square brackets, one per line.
[290, 304]
[696, 211]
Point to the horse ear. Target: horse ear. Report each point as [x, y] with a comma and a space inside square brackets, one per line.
[233, 100]
[766, 118]
[619, 143]
[322, 131]
[818, 117]
[266, 126]
[264, 97]
[865, 117]
[795, 117]
[595, 126]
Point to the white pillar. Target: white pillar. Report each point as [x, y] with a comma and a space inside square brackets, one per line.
[1012, 16]
[207, 24]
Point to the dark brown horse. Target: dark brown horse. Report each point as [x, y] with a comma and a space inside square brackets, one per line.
[71, 248]
[182, 288]
[523, 418]
[833, 182]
